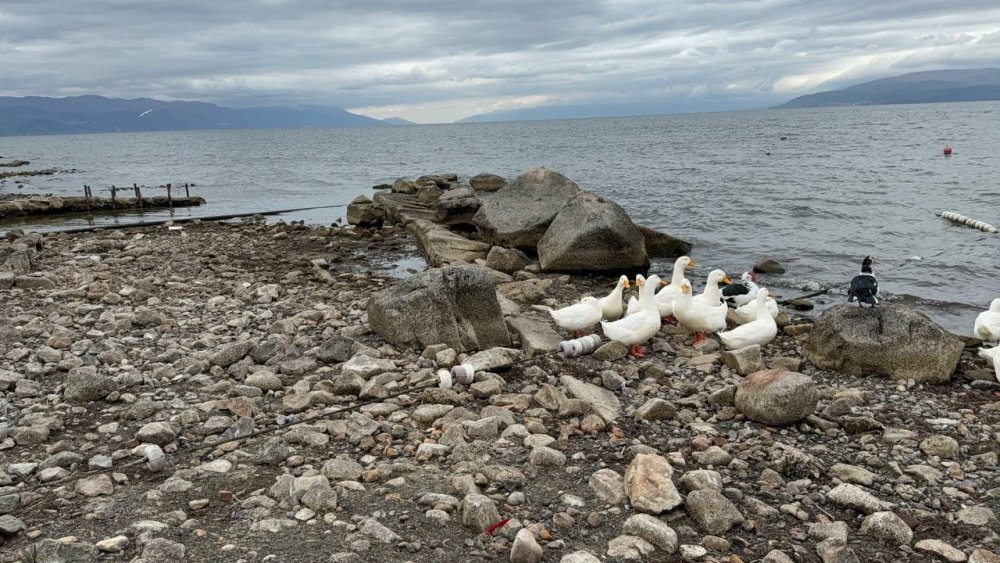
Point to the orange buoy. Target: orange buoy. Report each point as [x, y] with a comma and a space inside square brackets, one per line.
[947, 150]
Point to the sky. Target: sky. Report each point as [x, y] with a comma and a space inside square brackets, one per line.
[436, 61]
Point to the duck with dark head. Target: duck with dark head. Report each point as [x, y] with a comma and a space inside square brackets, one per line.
[864, 286]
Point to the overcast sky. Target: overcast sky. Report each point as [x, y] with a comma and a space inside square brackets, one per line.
[440, 60]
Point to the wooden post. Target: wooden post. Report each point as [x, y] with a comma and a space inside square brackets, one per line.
[138, 196]
[170, 202]
[114, 193]
[86, 195]
[187, 194]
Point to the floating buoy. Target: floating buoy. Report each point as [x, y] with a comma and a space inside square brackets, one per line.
[975, 224]
[947, 150]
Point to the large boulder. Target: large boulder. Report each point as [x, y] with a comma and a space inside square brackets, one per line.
[487, 182]
[363, 213]
[890, 340]
[456, 306]
[662, 245]
[776, 397]
[517, 215]
[456, 207]
[592, 234]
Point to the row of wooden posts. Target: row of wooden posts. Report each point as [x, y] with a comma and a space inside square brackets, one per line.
[88, 193]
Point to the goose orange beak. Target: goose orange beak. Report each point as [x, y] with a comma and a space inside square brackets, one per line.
[727, 281]
[692, 264]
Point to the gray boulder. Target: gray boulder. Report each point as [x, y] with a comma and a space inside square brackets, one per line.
[890, 340]
[365, 214]
[487, 182]
[84, 384]
[776, 397]
[516, 216]
[592, 234]
[19, 260]
[456, 306]
[662, 245]
[506, 260]
[404, 186]
[457, 207]
[441, 246]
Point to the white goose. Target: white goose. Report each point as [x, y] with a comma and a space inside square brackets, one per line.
[711, 296]
[579, 316]
[988, 323]
[697, 316]
[747, 313]
[760, 331]
[611, 304]
[665, 297]
[635, 329]
[635, 304]
[992, 354]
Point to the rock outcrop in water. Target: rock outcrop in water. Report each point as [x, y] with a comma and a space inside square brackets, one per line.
[592, 234]
[542, 213]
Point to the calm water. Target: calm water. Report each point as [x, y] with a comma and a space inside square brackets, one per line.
[844, 183]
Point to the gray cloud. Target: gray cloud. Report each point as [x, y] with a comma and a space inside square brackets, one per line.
[440, 60]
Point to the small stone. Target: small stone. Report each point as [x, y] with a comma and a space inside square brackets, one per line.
[95, 485]
[692, 552]
[712, 512]
[941, 446]
[836, 550]
[525, 549]
[579, 557]
[977, 516]
[10, 525]
[376, 530]
[888, 527]
[162, 549]
[479, 512]
[652, 530]
[776, 397]
[629, 548]
[113, 545]
[610, 352]
[547, 457]
[852, 496]
[649, 486]
[744, 361]
[159, 433]
[941, 549]
[608, 486]
[656, 409]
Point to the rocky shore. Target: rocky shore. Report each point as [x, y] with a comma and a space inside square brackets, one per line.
[191, 340]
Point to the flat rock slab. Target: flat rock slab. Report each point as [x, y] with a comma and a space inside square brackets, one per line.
[441, 246]
[604, 402]
[537, 337]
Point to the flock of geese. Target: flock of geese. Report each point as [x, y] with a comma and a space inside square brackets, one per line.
[703, 314]
[706, 313]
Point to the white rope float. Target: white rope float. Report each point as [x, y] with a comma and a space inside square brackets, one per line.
[968, 221]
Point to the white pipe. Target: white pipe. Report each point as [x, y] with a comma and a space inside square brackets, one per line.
[962, 219]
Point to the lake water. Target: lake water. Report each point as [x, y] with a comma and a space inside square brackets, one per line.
[817, 189]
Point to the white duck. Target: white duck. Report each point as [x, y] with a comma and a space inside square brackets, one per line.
[579, 316]
[988, 323]
[992, 354]
[640, 327]
[760, 331]
[634, 303]
[611, 304]
[665, 297]
[747, 313]
[697, 316]
[711, 296]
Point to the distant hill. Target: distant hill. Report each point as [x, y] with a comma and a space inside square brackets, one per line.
[632, 109]
[913, 88]
[397, 121]
[36, 115]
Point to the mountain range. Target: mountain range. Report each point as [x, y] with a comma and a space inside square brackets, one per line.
[35, 115]
[913, 88]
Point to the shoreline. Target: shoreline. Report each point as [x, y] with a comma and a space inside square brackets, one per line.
[200, 333]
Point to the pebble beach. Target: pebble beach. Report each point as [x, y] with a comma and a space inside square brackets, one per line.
[192, 339]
